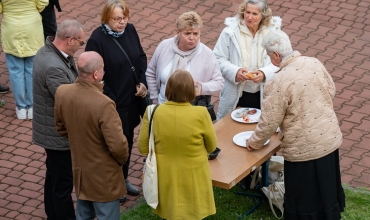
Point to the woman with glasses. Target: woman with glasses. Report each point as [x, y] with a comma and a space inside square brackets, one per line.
[119, 80]
[21, 38]
[239, 51]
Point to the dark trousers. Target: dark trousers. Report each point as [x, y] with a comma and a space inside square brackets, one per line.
[58, 186]
[49, 21]
[251, 100]
[130, 140]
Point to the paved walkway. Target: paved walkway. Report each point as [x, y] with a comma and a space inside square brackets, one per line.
[337, 32]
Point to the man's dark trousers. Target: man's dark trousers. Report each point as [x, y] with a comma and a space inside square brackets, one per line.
[49, 22]
[58, 186]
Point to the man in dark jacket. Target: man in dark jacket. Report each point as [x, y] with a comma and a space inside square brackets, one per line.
[54, 66]
[49, 21]
[98, 146]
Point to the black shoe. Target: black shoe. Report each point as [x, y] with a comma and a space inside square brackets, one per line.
[4, 89]
[131, 189]
[122, 199]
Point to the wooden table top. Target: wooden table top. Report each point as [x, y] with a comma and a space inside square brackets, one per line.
[234, 162]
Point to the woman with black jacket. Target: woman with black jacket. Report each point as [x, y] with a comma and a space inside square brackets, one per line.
[119, 80]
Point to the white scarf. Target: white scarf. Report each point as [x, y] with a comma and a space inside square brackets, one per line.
[181, 59]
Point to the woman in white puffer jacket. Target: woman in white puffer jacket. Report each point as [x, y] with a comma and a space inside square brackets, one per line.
[239, 51]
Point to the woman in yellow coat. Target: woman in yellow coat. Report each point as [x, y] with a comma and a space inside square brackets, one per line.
[21, 37]
[183, 137]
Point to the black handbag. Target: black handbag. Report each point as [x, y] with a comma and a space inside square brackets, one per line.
[205, 100]
[142, 102]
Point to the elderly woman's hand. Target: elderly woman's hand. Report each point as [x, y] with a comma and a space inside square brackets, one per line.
[248, 146]
[240, 75]
[141, 90]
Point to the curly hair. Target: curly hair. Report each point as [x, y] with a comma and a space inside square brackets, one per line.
[262, 6]
[187, 20]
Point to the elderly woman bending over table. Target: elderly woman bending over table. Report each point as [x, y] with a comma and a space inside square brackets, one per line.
[184, 51]
[239, 51]
[299, 100]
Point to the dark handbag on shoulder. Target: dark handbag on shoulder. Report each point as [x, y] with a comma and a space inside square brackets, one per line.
[205, 100]
[142, 102]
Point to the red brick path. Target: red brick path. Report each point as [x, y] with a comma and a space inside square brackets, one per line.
[337, 32]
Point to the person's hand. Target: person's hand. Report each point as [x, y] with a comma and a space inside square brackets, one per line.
[240, 75]
[248, 146]
[141, 90]
[259, 76]
[198, 88]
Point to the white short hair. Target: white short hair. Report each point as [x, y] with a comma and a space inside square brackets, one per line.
[277, 40]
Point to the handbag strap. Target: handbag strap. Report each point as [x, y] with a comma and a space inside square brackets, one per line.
[151, 118]
[128, 59]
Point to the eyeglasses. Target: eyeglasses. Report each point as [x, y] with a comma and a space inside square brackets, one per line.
[79, 41]
[119, 19]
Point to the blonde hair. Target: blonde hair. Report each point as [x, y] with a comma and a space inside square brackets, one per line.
[262, 6]
[188, 20]
[107, 11]
[180, 87]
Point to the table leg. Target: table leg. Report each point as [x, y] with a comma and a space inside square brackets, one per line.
[261, 197]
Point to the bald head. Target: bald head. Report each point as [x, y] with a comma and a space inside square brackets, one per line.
[88, 64]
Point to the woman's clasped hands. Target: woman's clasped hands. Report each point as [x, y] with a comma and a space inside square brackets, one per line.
[243, 74]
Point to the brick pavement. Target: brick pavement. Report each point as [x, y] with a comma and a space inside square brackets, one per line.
[337, 32]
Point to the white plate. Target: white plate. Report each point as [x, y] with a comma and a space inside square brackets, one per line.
[252, 118]
[240, 138]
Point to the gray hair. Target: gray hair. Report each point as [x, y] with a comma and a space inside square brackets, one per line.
[69, 28]
[262, 6]
[277, 40]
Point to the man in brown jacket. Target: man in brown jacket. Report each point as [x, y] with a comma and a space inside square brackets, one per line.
[91, 123]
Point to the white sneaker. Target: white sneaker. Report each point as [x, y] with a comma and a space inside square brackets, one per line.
[21, 113]
[30, 113]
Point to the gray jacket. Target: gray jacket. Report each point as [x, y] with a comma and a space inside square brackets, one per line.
[50, 70]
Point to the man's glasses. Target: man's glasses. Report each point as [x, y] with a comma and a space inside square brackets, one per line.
[79, 41]
[119, 19]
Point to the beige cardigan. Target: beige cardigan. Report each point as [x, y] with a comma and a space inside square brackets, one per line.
[299, 100]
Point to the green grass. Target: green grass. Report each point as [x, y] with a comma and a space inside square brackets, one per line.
[231, 206]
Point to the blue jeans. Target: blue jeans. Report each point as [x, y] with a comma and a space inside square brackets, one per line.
[20, 74]
[87, 210]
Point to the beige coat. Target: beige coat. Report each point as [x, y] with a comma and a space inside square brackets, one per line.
[183, 136]
[98, 147]
[299, 100]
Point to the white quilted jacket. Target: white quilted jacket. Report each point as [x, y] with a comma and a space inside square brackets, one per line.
[299, 100]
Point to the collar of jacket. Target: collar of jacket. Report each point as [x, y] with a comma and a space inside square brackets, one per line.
[90, 85]
[288, 60]
[68, 61]
[177, 103]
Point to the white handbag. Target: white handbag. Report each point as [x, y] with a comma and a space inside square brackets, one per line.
[150, 179]
[275, 194]
[276, 190]
[276, 169]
